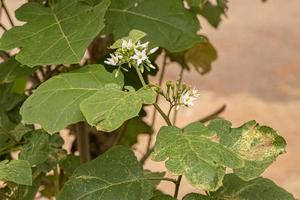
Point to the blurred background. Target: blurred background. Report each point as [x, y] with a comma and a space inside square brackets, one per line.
[257, 76]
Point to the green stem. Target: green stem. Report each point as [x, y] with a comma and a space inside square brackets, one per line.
[177, 186]
[160, 80]
[56, 179]
[180, 83]
[164, 116]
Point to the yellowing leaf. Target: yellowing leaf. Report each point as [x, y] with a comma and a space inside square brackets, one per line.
[201, 57]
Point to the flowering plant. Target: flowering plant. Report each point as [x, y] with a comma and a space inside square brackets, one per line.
[81, 75]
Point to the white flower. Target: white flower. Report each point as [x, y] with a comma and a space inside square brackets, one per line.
[140, 56]
[127, 44]
[153, 50]
[195, 93]
[143, 46]
[113, 60]
[187, 99]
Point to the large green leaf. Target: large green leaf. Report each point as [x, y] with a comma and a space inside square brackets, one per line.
[193, 153]
[114, 175]
[55, 35]
[17, 171]
[55, 104]
[237, 189]
[38, 146]
[110, 107]
[202, 153]
[168, 25]
[11, 69]
[257, 145]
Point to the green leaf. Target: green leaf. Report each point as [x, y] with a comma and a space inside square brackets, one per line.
[193, 153]
[55, 35]
[201, 56]
[69, 164]
[114, 175]
[213, 13]
[55, 104]
[134, 36]
[110, 107]
[158, 195]
[168, 25]
[197, 3]
[17, 171]
[38, 146]
[257, 145]
[132, 128]
[194, 196]
[259, 188]
[26, 192]
[11, 69]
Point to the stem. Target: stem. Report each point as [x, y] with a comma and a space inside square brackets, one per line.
[177, 185]
[214, 114]
[7, 13]
[155, 104]
[161, 77]
[3, 27]
[180, 82]
[83, 142]
[56, 179]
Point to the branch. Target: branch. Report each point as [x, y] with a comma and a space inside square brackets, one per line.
[7, 13]
[213, 115]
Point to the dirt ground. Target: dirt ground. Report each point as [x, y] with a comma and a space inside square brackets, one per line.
[256, 76]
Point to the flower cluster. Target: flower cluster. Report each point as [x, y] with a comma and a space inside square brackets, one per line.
[133, 54]
[178, 95]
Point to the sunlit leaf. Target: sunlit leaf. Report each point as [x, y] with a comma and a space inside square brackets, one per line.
[202, 153]
[257, 145]
[17, 171]
[55, 35]
[110, 107]
[55, 104]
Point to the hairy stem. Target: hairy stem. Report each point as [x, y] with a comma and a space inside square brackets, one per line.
[160, 80]
[83, 142]
[180, 83]
[164, 116]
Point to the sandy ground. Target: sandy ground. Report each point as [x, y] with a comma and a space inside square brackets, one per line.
[256, 76]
